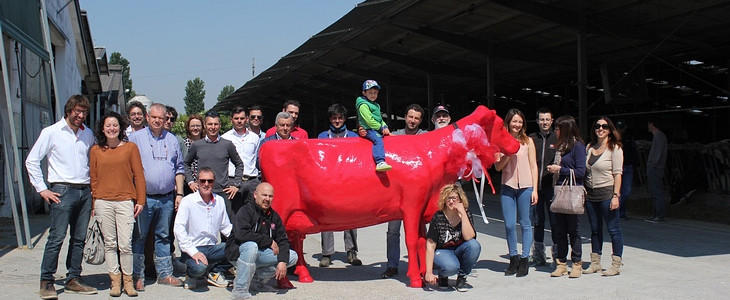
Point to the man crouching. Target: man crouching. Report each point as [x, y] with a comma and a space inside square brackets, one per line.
[259, 245]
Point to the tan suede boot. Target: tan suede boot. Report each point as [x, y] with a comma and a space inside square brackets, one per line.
[115, 289]
[560, 269]
[129, 285]
[615, 267]
[595, 264]
[576, 270]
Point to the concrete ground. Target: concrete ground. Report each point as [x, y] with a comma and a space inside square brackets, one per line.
[678, 259]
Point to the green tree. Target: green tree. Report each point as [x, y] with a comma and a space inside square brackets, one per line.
[179, 127]
[194, 95]
[225, 92]
[118, 59]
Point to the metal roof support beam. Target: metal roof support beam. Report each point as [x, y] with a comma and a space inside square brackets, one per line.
[490, 77]
[429, 96]
[476, 45]
[424, 65]
[582, 80]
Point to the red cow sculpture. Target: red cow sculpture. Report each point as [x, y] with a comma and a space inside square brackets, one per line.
[331, 184]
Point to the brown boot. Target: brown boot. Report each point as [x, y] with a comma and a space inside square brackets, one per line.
[115, 290]
[560, 269]
[576, 270]
[595, 264]
[615, 267]
[75, 285]
[129, 285]
[48, 290]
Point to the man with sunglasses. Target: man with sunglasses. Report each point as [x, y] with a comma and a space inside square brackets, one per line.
[247, 145]
[66, 145]
[201, 218]
[216, 152]
[163, 171]
[255, 119]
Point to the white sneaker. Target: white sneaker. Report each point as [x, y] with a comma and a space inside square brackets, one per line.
[217, 280]
[383, 167]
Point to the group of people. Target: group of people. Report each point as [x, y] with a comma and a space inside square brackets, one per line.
[148, 187]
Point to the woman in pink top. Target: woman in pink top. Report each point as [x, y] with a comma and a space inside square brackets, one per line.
[519, 176]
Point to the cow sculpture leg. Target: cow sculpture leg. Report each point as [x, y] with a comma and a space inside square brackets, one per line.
[297, 243]
[416, 245]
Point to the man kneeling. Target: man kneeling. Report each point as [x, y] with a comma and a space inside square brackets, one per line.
[201, 216]
[259, 245]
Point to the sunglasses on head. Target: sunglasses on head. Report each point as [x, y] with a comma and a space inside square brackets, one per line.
[206, 180]
[256, 117]
[599, 126]
[213, 114]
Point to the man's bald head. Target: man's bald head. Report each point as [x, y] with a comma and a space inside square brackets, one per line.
[263, 195]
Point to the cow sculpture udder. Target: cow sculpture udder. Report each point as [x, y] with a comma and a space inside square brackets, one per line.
[331, 184]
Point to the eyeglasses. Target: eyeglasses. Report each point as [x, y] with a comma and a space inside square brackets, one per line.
[196, 126]
[599, 126]
[81, 112]
[206, 180]
[255, 117]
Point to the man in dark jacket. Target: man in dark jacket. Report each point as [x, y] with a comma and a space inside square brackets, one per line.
[545, 140]
[259, 245]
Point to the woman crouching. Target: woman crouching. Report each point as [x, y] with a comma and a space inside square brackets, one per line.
[451, 245]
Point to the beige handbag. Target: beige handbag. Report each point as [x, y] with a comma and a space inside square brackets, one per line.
[569, 198]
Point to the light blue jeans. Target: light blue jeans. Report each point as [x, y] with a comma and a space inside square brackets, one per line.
[516, 203]
[157, 212]
[448, 262]
[264, 261]
[392, 241]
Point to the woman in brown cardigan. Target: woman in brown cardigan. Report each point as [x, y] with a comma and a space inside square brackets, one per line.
[118, 191]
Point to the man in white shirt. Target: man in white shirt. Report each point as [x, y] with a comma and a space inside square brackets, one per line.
[201, 217]
[66, 144]
[247, 145]
[136, 113]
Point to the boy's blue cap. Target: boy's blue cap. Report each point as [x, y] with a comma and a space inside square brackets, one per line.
[369, 84]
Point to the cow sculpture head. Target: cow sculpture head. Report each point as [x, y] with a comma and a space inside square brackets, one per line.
[476, 140]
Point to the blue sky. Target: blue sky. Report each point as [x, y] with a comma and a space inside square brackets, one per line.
[171, 42]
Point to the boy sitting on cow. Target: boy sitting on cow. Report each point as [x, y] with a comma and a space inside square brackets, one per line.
[369, 117]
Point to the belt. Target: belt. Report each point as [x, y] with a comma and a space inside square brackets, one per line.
[72, 185]
[246, 177]
[160, 195]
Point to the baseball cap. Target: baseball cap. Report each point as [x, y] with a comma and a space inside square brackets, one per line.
[440, 108]
[369, 84]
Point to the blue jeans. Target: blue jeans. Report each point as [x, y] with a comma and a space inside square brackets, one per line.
[627, 179]
[264, 262]
[157, 212]
[378, 148]
[597, 212]
[447, 262]
[654, 181]
[216, 261]
[544, 196]
[74, 210]
[392, 241]
[516, 202]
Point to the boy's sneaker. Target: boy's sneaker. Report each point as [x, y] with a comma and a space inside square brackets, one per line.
[48, 290]
[75, 285]
[383, 167]
[190, 283]
[217, 280]
[461, 284]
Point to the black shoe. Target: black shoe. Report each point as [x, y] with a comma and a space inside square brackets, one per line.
[390, 272]
[655, 220]
[461, 284]
[352, 258]
[514, 262]
[523, 267]
[443, 282]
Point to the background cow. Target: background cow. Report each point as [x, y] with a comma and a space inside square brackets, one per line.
[331, 184]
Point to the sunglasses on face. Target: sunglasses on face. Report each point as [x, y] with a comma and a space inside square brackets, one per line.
[171, 119]
[206, 180]
[256, 117]
[599, 126]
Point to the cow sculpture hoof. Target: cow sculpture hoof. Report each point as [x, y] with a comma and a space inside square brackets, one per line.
[303, 274]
